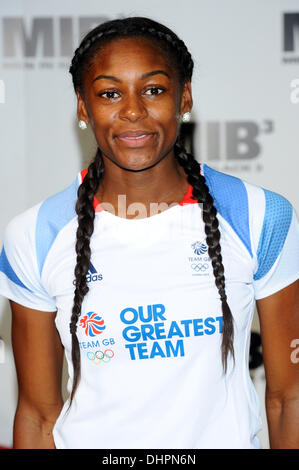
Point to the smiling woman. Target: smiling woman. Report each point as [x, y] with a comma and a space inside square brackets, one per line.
[134, 115]
[171, 371]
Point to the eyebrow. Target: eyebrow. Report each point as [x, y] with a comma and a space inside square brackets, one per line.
[145, 75]
[155, 72]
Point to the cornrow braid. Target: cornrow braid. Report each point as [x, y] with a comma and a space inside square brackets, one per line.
[131, 27]
[86, 214]
[202, 195]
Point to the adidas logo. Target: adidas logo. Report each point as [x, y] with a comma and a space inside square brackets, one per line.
[92, 275]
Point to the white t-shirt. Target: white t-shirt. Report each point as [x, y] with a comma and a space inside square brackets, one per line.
[150, 325]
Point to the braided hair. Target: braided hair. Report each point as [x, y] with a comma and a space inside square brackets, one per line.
[176, 52]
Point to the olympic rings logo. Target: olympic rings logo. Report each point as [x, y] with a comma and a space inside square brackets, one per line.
[199, 267]
[100, 356]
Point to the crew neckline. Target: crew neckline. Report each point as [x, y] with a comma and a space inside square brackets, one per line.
[186, 200]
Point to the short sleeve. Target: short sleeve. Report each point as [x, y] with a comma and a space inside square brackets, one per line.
[278, 247]
[19, 275]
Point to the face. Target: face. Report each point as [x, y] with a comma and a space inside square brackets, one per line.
[133, 101]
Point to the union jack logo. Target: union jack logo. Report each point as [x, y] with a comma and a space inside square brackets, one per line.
[93, 324]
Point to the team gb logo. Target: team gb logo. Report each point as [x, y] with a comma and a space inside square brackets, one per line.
[199, 248]
[93, 324]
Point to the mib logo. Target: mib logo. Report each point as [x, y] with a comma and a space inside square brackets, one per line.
[43, 41]
[92, 275]
[290, 36]
[231, 146]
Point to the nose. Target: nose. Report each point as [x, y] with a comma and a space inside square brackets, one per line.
[133, 108]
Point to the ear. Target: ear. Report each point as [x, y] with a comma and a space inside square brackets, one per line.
[186, 98]
[81, 108]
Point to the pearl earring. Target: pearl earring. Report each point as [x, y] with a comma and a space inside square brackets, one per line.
[82, 124]
[186, 117]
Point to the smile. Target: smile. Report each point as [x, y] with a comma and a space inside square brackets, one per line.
[139, 137]
[135, 141]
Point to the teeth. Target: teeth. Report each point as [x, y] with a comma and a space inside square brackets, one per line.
[139, 137]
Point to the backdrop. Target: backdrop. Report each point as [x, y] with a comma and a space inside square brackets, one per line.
[245, 119]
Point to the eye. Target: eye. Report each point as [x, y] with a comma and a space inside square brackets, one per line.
[109, 94]
[154, 90]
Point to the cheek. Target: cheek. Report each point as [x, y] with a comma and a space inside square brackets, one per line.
[102, 118]
[165, 114]
[169, 123]
[102, 124]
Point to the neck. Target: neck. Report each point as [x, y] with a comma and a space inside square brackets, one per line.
[164, 183]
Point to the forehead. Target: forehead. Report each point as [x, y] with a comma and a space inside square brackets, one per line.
[129, 54]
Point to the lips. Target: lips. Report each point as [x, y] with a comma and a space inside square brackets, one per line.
[137, 138]
[134, 134]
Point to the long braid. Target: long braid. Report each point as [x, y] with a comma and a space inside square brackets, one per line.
[201, 194]
[86, 215]
[175, 50]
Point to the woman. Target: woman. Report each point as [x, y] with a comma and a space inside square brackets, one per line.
[154, 314]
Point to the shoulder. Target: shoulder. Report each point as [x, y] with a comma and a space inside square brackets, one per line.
[252, 211]
[36, 228]
[58, 209]
[55, 209]
[230, 192]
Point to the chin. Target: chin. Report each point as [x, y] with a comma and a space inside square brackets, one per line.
[137, 165]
